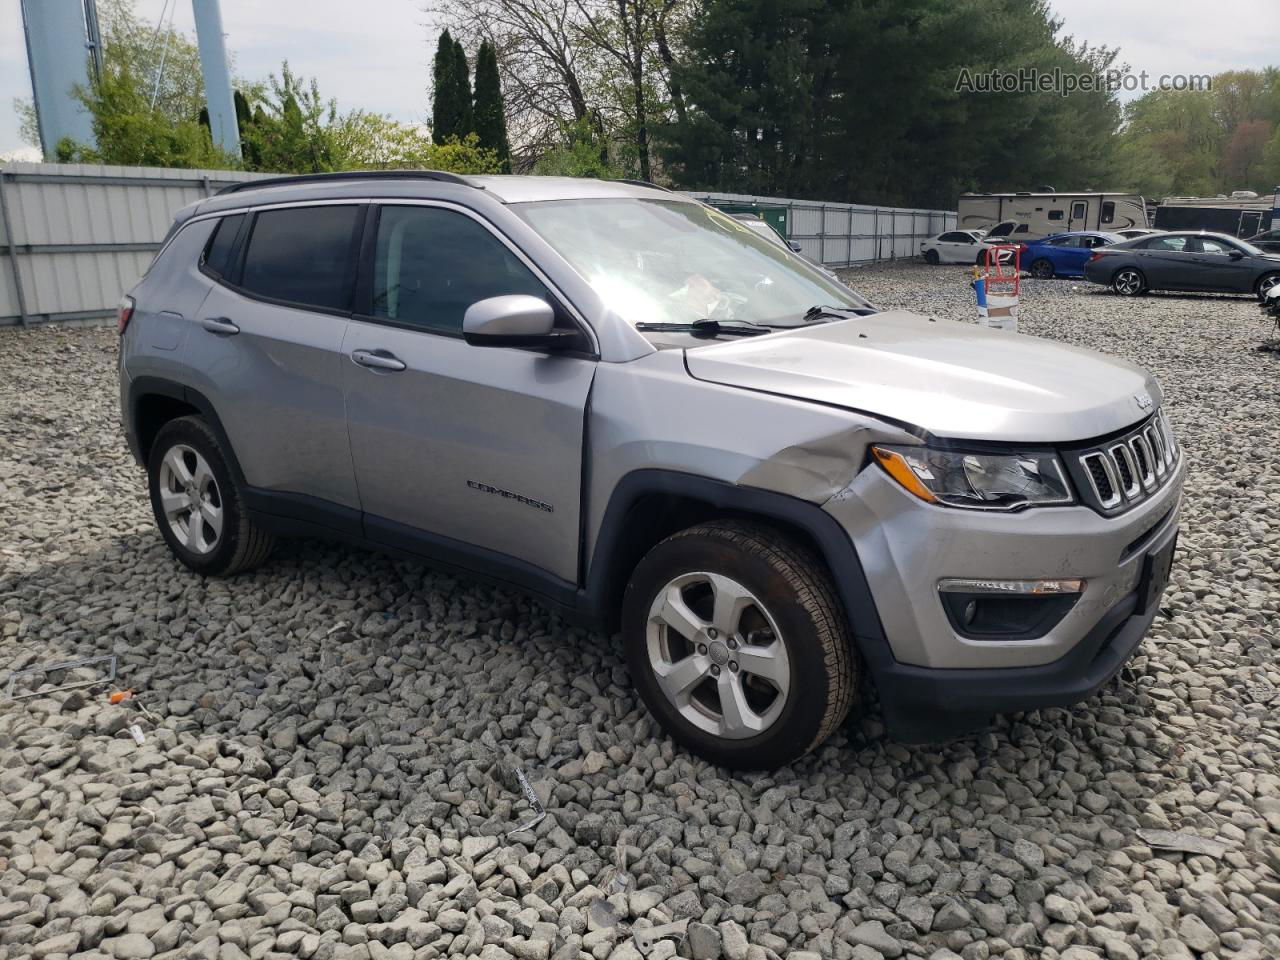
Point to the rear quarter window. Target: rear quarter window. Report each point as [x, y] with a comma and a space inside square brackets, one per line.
[216, 259]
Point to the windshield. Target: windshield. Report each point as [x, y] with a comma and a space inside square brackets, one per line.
[672, 262]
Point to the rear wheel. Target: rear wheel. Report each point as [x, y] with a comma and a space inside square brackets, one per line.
[1266, 283]
[1128, 282]
[737, 644]
[197, 504]
[1042, 269]
[931, 256]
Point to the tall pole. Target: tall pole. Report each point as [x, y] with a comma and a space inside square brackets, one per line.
[59, 59]
[217, 78]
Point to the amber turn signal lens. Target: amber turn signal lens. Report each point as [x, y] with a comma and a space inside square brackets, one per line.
[897, 467]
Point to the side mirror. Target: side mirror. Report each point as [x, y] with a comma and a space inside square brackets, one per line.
[1236, 255]
[795, 247]
[515, 320]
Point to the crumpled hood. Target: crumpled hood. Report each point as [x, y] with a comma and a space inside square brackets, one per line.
[952, 379]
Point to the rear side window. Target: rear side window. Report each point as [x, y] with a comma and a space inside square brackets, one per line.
[217, 255]
[302, 255]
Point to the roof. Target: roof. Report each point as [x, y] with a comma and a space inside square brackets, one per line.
[516, 189]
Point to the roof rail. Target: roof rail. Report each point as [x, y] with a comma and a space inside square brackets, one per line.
[349, 175]
[642, 183]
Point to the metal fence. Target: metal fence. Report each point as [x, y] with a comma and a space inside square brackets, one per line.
[74, 237]
[848, 234]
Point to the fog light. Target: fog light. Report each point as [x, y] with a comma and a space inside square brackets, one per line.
[1007, 609]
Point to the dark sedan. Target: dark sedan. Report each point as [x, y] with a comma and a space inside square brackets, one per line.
[1184, 261]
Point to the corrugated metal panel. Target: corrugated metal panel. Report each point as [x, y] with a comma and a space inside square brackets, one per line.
[119, 214]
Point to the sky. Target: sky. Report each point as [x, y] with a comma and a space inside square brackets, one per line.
[375, 54]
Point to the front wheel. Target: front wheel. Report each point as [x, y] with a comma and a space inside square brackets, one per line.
[1266, 284]
[1042, 269]
[738, 645]
[197, 504]
[1128, 282]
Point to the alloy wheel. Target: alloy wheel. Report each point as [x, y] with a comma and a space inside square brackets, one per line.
[1042, 269]
[717, 655]
[190, 498]
[1128, 282]
[1267, 284]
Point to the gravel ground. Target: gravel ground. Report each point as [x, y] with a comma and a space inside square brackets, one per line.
[326, 770]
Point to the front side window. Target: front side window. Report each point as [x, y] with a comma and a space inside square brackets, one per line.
[1209, 245]
[667, 261]
[302, 255]
[956, 238]
[430, 264]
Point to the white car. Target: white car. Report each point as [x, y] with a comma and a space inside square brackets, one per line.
[954, 246]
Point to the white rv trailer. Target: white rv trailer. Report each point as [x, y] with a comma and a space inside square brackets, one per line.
[1044, 214]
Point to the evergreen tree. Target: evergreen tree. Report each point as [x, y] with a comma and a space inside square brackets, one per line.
[490, 113]
[445, 109]
[462, 90]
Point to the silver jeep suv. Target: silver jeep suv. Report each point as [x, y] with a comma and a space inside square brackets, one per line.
[633, 407]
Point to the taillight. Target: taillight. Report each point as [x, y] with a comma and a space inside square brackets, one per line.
[124, 313]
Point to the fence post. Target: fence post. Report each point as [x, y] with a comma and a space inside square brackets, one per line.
[848, 250]
[12, 243]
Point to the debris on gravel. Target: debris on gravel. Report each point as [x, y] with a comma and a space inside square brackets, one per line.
[327, 771]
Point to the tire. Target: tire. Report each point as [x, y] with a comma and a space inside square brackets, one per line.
[981, 259]
[1266, 283]
[1129, 282]
[187, 467]
[786, 621]
[1042, 269]
[931, 257]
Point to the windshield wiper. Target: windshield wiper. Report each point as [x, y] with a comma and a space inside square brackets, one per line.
[823, 312]
[709, 328]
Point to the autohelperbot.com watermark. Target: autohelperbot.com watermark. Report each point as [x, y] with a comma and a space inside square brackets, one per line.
[1065, 83]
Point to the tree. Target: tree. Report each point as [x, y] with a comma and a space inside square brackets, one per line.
[490, 113]
[578, 154]
[291, 129]
[462, 90]
[859, 100]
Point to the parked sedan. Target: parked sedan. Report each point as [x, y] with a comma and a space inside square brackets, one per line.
[1133, 233]
[1268, 242]
[1184, 261]
[954, 246]
[1065, 254]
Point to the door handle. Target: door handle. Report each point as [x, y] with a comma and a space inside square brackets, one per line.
[377, 360]
[219, 325]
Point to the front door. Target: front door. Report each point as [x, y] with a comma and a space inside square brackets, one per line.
[456, 445]
[1168, 263]
[1217, 269]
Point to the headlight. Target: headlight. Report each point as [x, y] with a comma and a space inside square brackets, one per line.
[982, 481]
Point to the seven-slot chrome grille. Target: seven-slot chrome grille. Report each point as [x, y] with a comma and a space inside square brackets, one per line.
[1124, 471]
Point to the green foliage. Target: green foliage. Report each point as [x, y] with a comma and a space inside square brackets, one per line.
[857, 99]
[371, 141]
[462, 82]
[580, 153]
[1205, 142]
[291, 129]
[127, 131]
[451, 109]
[490, 114]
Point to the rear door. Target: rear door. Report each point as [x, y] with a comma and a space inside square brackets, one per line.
[266, 350]
[1167, 262]
[454, 445]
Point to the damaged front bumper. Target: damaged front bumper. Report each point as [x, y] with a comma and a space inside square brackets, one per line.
[936, 679]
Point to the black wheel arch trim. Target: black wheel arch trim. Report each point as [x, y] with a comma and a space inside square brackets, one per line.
[146, 386]
[832, 541]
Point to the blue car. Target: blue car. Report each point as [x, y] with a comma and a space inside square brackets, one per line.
[1065, 254]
